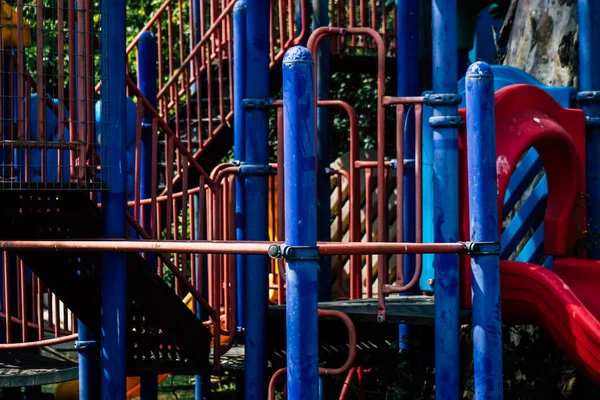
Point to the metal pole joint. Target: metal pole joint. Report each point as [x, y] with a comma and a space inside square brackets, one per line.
[482, 248]
[257, 104]
[588, 96]
[85, 345]
[294, 253]
[443, 99]
[446, 121]
[255, 170]
[592, 121]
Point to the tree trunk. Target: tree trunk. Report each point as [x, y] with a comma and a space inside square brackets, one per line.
[543, 40]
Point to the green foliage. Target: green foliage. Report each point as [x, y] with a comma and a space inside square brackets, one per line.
[358, 90]
[138, 12]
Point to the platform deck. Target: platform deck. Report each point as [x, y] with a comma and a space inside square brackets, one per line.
[417, 310]
[26, 368]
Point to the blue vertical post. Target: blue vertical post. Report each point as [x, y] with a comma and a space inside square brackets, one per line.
[300, 225]
[202, 384]
[33, 393]
[114, 276]
[89, 363]
[239, 146]
[589, 96]
[87, 343]
[483, 210]
[256, 128]
[408, 85]
[445, 187]
[148, 84]
[196, 18]
[321, 18]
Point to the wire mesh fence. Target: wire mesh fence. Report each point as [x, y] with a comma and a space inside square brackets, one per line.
[49, 53]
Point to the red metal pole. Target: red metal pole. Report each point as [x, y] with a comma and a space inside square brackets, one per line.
[224, 246]
[400, 189]
[369, 232]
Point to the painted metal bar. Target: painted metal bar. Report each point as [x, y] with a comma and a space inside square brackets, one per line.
[320, 17]
[483, 209]
[147, 83]
[369, 237]
[351, 358]
[445, 186]
[526, 171]
[227, 247]
[256, 132]
[280, 205]
[239, 29]
[114, 276]
[408, 84]
[533, 251]
[301, 224]
[313, 44]
[589, 78]
[531, 211]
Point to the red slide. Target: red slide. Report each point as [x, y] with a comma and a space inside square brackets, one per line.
[564, 302]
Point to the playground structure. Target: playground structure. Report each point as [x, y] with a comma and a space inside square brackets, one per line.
[119, 242]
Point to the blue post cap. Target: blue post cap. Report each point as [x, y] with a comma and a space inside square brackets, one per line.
[298, 55]
[480, 69]
[146, 35]
[240, 5]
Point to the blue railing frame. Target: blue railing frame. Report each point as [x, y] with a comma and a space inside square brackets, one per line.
[522, 178]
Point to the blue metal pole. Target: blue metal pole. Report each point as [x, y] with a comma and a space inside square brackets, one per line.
[483, 210]
[147, 82]
[87, 343]
[196, 16]
[300, 225]
[408, 85]
[89, 363]
[239, 146]
[445, 187]
[202, 384]
[114, 277]
[34, 393]
[321, 18]
[256, 127]
[589, 78]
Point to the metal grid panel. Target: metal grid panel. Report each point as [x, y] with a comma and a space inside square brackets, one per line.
[48, 107]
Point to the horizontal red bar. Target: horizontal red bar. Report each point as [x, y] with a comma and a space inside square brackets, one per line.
[226, 247]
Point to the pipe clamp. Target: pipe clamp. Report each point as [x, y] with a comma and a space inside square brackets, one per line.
[294, 253]
[257, 104]
[443, 99]
[482, 248]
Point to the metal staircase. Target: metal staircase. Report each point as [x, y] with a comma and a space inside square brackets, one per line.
[194, 121]
[163, 334]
